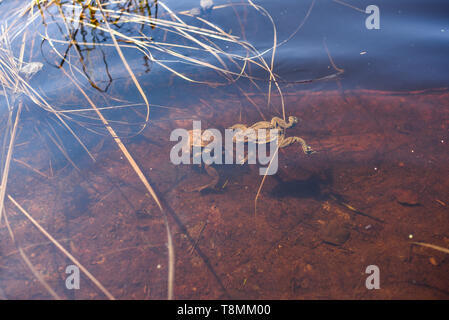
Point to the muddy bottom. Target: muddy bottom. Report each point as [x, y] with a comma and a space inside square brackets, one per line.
[377, 183]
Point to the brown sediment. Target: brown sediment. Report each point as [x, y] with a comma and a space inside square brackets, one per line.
[375, 152]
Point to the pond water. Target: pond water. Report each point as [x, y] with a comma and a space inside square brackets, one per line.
[372, 103]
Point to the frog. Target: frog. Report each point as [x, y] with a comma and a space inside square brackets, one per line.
[196, 139]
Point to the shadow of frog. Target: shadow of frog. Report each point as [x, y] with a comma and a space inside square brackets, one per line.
[314, 187]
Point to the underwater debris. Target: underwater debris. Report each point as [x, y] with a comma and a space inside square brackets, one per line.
[335, 234]
[31, 68]
[428, 245]
[195, 11]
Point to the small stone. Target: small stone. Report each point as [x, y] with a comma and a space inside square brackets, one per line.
[433, 261]
[335, 233]
[406, 197]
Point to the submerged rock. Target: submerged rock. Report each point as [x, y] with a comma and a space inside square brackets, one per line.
[335, 233]
[406, 197]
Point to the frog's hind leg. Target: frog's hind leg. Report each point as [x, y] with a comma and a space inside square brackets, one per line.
[284, 142]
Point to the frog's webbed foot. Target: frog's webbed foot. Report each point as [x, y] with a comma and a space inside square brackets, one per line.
[305, 147]
[212, 184]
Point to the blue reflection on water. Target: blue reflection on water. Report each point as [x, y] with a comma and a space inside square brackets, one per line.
[408, 52]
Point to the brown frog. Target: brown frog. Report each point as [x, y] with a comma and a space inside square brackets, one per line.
[197, 140]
